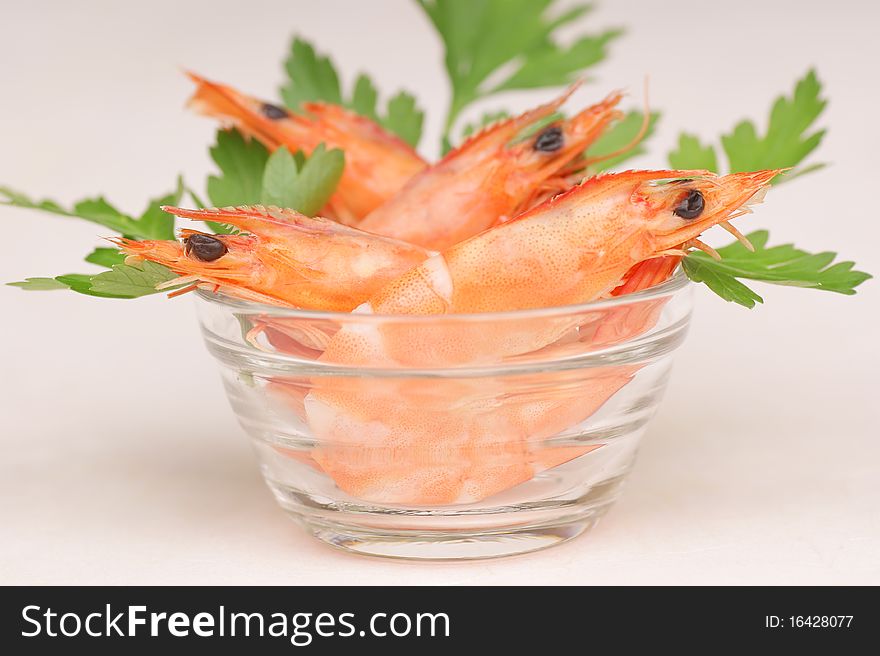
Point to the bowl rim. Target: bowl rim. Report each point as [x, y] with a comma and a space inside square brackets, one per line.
[674, 284]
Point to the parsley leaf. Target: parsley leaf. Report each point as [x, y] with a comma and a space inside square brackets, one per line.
[157, 222]
[781, 265]
[81, 283]
[123, 281]
[787, 143]
[691, 154]
[77, 282]
[105, 257]
[302, 184]
[249, 175]
[152, 224]
[279, 178]
[131, 280]
[39, 284]
[312, 77]
[485, 38]
[404, 118]
[241, 162]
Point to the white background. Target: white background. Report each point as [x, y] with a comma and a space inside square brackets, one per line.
[121, 461]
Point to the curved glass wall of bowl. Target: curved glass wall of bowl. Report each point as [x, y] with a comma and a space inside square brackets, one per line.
[447, 437]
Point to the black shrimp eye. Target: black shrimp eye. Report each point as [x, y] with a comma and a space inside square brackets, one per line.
[273, 111]
[691, 206]
[550, 140]
[204, 247]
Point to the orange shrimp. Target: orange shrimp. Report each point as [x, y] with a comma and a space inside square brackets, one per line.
[576, 246]
[377, 163]
[284, 259]
[487, 178]
[443, 441]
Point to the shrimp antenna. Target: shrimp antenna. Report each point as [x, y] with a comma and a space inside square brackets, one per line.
[643, 130]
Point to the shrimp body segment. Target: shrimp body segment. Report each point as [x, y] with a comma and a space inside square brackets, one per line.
[488, 178]
[283, 258]
[377, 163]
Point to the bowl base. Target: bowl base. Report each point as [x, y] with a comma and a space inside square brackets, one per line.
[522, 519]
[447, 545]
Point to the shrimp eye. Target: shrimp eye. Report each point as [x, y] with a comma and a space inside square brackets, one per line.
[273, 112]
[550, 140]
[204, 247]
[691, 206]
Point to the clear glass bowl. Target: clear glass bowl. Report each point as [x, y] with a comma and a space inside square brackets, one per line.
[454, 436]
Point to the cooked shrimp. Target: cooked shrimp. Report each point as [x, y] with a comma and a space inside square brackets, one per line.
[446, 441]
[285, 258]
[576, 246]
[487, 178]
[377, 163]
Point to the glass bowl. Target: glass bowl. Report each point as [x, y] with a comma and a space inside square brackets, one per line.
[450, 436]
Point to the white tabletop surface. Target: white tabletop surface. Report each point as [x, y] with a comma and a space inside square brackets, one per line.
[121, 461]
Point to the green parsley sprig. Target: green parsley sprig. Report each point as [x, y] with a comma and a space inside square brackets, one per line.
[789, 139]
[484, 38]
[787, 142]
[248, 175]
[313, 77]
[153, 223]
[781, 265]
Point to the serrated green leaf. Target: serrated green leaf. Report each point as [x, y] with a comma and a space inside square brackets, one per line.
[98, 210]
[81, 283]
[787, 141]
[250, 176]
[404, 118]
[691, 154]
[241, 162]
[306, 187]
[76, 282]
[38, 284]
[557, 66]
[621, 135]
[18, 199]
[317, 180]
[105, 257]
[158, 223]
[483, 38]
[279, 179]
[364, 97]
[781, 265]
[312, 77]
[726, 286]
[131, 281]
